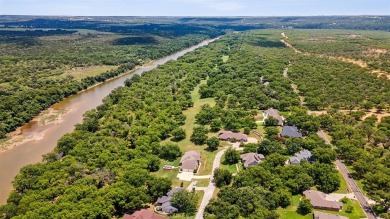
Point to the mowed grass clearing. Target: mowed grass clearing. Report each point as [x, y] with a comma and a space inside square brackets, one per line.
[343, 185]
[83, 72]
[190, 122]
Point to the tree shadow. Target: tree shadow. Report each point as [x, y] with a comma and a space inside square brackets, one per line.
[135, 40]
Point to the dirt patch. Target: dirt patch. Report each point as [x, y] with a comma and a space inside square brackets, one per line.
[379, 115]
[34, 129]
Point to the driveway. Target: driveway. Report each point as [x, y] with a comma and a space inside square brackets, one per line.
[209, 190]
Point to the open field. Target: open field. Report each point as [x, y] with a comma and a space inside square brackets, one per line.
[82, 72]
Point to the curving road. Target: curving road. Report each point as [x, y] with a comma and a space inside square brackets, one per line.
[209, 191]
[351, 183]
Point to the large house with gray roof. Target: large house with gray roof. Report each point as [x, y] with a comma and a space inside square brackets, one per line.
[291, 131]
[164, 204]
[299, 156]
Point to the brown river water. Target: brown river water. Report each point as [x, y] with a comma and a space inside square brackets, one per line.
[31, 151]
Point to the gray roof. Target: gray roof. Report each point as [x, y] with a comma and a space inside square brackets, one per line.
[291, 131]
[317, 199]
[322, 215]
[251, 159]
[168, 208]
[174, 190]
[302, 155]
[275, 114]
[163, 199]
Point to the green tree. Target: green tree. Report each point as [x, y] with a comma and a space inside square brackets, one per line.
[222, 177]
[231, 156]
[215, 125]
[199, 135]
[185, 201]
[169, 151]
[212, 143]
[305, 207]
[178, 134]
[271, 121]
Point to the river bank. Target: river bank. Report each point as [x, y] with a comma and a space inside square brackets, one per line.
[40, 139]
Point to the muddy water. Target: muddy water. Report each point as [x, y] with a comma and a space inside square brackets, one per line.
[44, 137]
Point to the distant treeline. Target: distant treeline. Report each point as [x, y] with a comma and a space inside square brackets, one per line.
[191, 24]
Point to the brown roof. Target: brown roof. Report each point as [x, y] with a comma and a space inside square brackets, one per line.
[322, 215]
[190, 164]
[143, 214]
[274, 113]
[251, 159]
[190, 155]
[318, 200]
[228, 135]
[190, 160]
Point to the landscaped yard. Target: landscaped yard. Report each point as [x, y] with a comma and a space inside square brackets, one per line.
[356, 213]
[290, 211]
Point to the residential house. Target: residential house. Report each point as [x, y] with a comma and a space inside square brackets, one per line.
[190, 161]
[164, 204]
[143, 214]
[291, 131]
[318, 200]
[271, 112]
[299, 156]
[251, 159]
[322, 215]
[228, 136]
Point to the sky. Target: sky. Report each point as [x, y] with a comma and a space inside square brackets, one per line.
[194, 7]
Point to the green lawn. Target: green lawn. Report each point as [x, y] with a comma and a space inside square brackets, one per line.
[83, 72]
[343, 185]
[232, 168]
[356, 214]
[290, 211]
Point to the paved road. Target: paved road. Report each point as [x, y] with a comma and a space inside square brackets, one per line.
[351, 183]
[356, 190]
[209, 191]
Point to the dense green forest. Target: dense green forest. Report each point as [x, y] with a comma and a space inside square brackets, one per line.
[39, 53]
[40, 67]
[105, 167]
